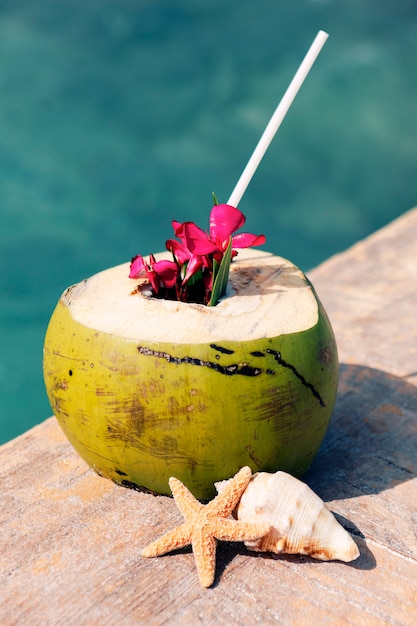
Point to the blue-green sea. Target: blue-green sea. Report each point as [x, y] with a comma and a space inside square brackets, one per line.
[117, 116]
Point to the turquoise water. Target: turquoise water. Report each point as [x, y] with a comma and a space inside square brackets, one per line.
[117, 116]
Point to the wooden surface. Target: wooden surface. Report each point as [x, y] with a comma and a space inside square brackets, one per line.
[70, 541]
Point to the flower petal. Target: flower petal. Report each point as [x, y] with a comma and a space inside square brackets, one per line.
[167, 272]
[137, 267]
[245, 240]
[194, 265]
[224, 221]
[177, 226]
[154, 280]
[179, 250]
[196, 240]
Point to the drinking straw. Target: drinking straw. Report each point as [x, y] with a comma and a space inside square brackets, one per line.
[277, 117]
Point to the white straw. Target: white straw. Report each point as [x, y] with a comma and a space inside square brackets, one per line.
[277, 117]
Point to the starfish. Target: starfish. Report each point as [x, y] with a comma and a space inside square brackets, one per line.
[204, 525]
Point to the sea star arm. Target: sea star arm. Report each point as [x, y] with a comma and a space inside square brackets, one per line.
[184, 499]
[227, 499]
[172, 540]
[231, 530]
[204, 549]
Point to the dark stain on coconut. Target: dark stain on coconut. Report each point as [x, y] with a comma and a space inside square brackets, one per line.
[221, 349]
[283, 363]
[131, 485]
[242, 369]
[326, 355]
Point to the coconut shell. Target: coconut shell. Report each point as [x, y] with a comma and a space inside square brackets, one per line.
[146, 389]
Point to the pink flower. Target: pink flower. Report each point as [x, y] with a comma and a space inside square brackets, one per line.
[184, 257]
[224, 221]
[200, 268]
[159, 273]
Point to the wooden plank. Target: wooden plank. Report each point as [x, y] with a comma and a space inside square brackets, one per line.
[70, 541]
[369, 293]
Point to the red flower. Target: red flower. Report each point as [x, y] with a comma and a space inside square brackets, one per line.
[224, 221]
[159, 273]
[192, 263]
[198, 256]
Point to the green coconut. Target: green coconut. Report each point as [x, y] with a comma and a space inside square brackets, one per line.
[146, 389]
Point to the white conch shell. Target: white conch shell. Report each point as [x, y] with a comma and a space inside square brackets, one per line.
[300, 522]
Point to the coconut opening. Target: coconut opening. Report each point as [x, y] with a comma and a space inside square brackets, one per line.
[266, 296]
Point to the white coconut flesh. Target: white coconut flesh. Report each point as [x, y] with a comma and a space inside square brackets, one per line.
[267, 296]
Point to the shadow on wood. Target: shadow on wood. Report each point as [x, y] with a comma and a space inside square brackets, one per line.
[371, 444]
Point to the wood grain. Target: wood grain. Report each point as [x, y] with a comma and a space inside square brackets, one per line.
[70, 541]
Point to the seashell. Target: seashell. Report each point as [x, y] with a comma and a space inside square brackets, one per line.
[300, 522]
